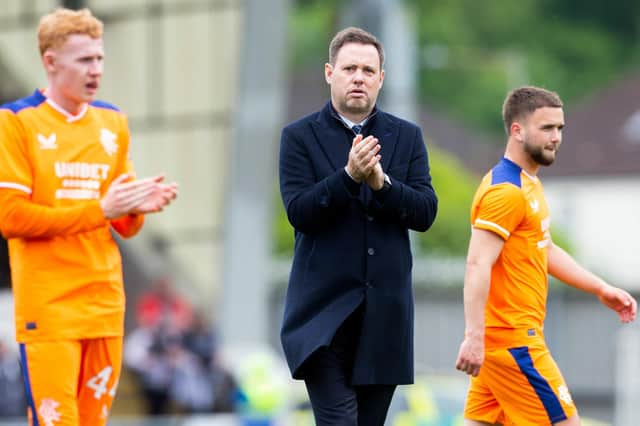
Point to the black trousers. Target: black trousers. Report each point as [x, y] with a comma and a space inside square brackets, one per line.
[327, 376]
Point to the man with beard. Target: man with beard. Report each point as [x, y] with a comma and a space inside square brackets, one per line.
[354, 180]
[505, 286]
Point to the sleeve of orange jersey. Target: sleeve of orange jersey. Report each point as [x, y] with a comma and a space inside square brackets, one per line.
[126, 226]
[19, 216]
[500, 210]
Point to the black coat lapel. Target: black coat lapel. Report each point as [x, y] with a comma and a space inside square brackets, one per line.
[329, 132]
[386, 130]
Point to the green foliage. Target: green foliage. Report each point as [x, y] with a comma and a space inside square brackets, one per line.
[471, 53]
[311, 26]
[455, 187]
[474, 52]
[282, 229]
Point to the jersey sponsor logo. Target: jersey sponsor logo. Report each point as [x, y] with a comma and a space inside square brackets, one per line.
[77, 194]
[80, 170]
[108, 141]
[80, 181]
[535, 205]
[48, 410]
[47, 143]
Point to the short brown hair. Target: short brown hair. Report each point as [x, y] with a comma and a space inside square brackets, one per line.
[523, 101]
[55, 27]
[354, 35]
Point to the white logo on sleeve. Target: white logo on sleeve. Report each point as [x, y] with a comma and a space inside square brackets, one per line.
[47, 143]
[108, 141]
[564, 395]
[48, 411]
[535, 205]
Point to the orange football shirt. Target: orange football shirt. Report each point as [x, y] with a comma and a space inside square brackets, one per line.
[511, 203]
[65, 266]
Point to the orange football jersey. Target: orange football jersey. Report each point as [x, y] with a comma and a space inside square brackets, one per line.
[511, 203]
[65, 266]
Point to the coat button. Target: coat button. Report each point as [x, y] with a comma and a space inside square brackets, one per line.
[368, 284]
[370, 218]
[371, 251]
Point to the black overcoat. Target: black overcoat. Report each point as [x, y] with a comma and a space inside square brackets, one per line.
[352, 244]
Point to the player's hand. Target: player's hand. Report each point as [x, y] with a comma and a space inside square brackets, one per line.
[125, 194]
[471, 355]
[620, 301]
[376, 179]
[162, 195]
[363, 157]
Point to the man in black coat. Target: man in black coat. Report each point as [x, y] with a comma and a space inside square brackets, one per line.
[354, 180]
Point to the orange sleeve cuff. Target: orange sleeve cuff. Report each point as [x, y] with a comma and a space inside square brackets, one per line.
[129, 225]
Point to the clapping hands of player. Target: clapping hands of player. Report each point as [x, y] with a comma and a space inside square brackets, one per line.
[364, 161]
[620, 301]
[148, 195]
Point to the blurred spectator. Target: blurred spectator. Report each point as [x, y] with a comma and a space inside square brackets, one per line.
[13, 401]
[200, 339]
[201, 383]
[148, 353]
[162, 303]
[173, 354]
[192, 384]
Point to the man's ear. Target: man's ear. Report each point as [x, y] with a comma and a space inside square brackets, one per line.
[517, 131]
[49, 61]
[328, 72]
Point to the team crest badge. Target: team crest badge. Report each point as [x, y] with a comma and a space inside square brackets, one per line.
[48, 410]
[108, 141]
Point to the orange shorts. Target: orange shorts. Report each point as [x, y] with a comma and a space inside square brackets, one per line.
[71, 382]
[519, 385]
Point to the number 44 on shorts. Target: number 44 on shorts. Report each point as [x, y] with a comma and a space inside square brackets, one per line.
[99, 382]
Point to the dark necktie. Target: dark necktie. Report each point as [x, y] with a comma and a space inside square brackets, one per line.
[356, 129]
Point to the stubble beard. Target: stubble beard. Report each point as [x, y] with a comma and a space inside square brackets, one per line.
[356, 106]
[538, 154]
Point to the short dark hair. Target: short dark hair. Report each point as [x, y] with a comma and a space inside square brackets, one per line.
[354, 35]
[523, 101]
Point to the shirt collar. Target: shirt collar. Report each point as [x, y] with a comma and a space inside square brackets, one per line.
[351, 123]
[348, 122]
[70, 117]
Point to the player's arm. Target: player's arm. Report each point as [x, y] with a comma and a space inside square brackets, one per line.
[484, 248]
[563, 267]
[128, 225]
[22, 218]
[158, 197]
